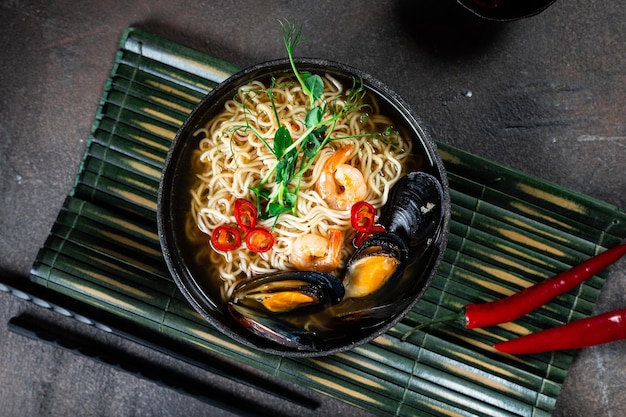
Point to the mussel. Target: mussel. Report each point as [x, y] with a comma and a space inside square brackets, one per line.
[379, 258]
[274, 307]
[275, 329]
[289, 292]
[412, 218]
[290, 308]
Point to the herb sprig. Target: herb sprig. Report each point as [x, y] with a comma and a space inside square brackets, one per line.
[295, 157]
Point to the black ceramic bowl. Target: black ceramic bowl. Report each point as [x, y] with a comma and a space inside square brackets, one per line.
[506, 10]
[174, 206]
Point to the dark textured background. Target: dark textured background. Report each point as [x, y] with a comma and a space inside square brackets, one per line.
[546, 95]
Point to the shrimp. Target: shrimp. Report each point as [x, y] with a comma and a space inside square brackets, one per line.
[312, 252]
[341, 185]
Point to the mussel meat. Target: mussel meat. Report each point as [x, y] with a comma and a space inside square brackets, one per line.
[301, 291]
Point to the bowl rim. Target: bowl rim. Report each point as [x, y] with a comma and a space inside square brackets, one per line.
[498, 15]
[176, 266]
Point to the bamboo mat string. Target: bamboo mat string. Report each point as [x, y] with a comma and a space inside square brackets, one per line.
[542, 388]
[56, 254]
[278, 367]
[407, 386]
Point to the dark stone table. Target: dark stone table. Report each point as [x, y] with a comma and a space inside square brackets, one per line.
[545, 95]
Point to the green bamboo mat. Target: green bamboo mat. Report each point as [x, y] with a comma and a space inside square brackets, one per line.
[508, 231]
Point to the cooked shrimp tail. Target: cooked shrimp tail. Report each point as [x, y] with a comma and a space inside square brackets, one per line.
[340, 184]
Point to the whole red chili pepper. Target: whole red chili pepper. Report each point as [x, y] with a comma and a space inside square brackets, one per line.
[533, 297]
[590, 331]
[510, 308]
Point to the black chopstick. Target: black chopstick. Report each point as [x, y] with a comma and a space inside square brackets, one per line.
[20, 286]
[42, 330]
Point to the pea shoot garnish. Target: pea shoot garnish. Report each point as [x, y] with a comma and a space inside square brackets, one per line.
[295, 156]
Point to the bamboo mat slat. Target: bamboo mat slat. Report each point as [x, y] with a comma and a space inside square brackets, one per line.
[509, 230]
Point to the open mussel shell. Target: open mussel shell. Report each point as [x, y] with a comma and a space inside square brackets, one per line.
[291, 292]
[397, 260]
[377, 262]
[275, 307]
[273, 329]
[414, 210]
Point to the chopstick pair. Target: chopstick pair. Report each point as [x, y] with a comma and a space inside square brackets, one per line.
[38, 329]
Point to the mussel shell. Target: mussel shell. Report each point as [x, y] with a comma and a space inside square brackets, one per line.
[273, 329]
[414, 209]
[371, 314]
[284, 327]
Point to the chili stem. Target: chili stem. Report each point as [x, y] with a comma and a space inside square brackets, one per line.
[453, 317]
[590, 331]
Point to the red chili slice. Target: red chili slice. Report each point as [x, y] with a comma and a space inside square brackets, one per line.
[362, 216]
[225, 238]
[360, 237]
[259, 240]
[245, 214]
